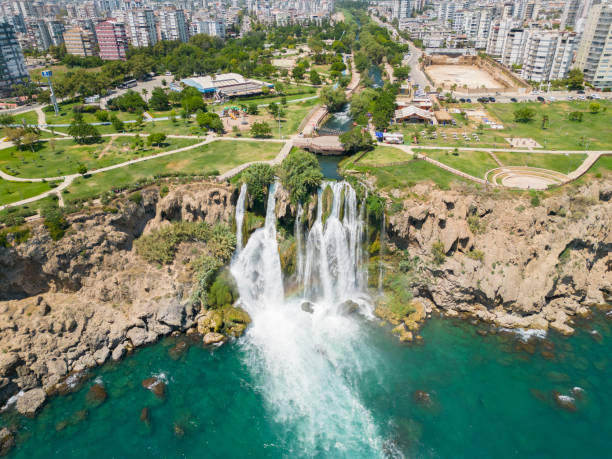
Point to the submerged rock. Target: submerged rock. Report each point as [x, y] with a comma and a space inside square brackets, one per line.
[7, 441]
[178, 350]
[30, 402]
[565, 402]
[96, 395]
[307, 306]
[421, 397]
[155, 385]
[144, 415]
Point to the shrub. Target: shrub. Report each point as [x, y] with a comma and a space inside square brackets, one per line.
[300, 174]
[524, 115]
[82, 169]
[101, 115]
[475, 255]
[261, 129]
[136, 197]
[438, 253]
[477, 226]
[223, 291]
[258, 178]
[55, 222]
[575, 116]
[375, 206]
[535, 200]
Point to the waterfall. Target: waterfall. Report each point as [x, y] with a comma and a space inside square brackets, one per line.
[307, 353]
[298, 243]
[240, 208]
[381, 265]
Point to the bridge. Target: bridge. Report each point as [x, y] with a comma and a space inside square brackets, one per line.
[324, 145]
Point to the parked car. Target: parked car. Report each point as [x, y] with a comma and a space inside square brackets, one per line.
[552, 99]
[541, 99]
[513, 99]
[580, 91]
[581, 97]
[462, 100]
[535, 92]
[590, 97]
[596, 96]
[570, 97]
[491, 99]
[468, 100]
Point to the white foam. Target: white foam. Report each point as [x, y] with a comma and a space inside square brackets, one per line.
[11, 401]
[525, 334]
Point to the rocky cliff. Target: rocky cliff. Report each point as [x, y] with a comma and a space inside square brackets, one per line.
[69, 305]
[513, 261]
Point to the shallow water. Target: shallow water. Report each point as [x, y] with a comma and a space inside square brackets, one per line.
[490, 397]
[329, 166]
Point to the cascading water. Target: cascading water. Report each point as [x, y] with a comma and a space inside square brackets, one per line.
[298, 244]
[240, 218]
[307, 353]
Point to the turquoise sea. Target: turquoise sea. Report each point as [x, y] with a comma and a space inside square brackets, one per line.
[486, 396]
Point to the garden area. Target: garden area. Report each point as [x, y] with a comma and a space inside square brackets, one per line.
[62, 157]
[474, 163]
[555, 162]
[17, 191]
[211, 159]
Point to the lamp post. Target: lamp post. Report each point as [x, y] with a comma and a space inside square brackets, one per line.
[47, 74]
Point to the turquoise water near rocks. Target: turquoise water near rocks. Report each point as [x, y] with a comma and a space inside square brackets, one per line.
[489, 397]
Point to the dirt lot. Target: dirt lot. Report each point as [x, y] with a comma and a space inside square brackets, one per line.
[461, 75]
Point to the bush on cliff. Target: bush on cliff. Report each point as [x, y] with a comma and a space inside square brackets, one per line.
[258, 178]
[300, 173]
[160, 246]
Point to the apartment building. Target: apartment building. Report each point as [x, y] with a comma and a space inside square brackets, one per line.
[79, 42]
[548, 55]
[12, 64]
[141, 26]
[172, 25]
[112, 40]
[594, 56]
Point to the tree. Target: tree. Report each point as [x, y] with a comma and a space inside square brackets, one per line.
[298, 72]
[258, 178]
[575, 116]
[156, 138]
[261, 129]
[159, 100]
[545, 121]
[210, 121]
[356, 140]
[192, 104]
[118, 125]
[6, 119]
[279, 87]
[30, 139]
[84, 133]
[575, 80]
[173, 116]
[300, 173]
[333, 98]
[128, 102]
[314, 77]
[144, 93]
[401, 73]
[82, 169]
[524, 115]
[252, 109]
[276, 110]
[594, 107]
[137, 143]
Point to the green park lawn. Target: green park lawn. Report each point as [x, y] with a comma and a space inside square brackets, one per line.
[295, 114]
[66, 114]
[58, 71]
[475, 163]
[219, 156]
[291, 92]
[556, 162]
[593, 133]
[408, 175]
[16, 191]
[66, 157]
[383, 155]
[30, 117]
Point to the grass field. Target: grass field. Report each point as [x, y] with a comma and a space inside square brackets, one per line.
[30, 117]
[560, 163]
[408, 175]
[295, 113]
[383, 155]
[16, 191]
[561, 134]
[68, 156]
[475, 163]
[66, 114]
[219, 156]
[58, 70]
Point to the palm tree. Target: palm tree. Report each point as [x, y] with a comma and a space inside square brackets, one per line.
[144, 93]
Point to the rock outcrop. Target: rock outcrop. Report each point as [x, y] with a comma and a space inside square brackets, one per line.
[507, 261]
[70, 305]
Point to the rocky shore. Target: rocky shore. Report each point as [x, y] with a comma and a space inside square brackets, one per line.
[88, 298]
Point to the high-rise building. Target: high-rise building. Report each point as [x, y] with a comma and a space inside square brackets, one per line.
[548, 55]
[12, 64]
[112, 40]
[141, 26]
[214, 28]
[173, 25]
[402, 9]
[79, 42]
[594, 56]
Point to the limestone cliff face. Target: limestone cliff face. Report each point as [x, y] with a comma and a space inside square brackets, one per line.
[508, 261]
[69, 305]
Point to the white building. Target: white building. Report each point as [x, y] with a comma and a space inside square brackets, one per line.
[402, 9]
[548, 55]
[141, 27]
[173, 25]
[12, 64]
[594, 55]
